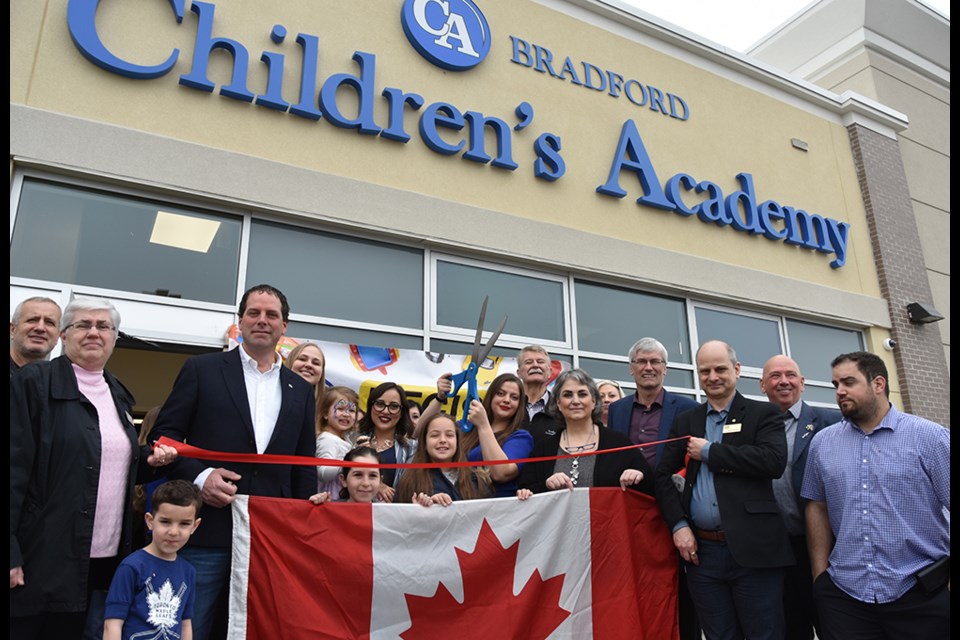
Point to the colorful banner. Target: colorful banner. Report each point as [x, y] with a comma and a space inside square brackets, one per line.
[362, 368]
[587, 563]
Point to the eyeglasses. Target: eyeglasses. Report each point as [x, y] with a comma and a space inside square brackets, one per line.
[393, 407]
[84, 326]
[642, 362]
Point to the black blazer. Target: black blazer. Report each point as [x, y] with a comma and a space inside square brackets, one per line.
[606, 471]
[744, 464]
[208, 408]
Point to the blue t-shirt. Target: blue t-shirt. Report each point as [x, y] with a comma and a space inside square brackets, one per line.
[518, 445]
[151, 594]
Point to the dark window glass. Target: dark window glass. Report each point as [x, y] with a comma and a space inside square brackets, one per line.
[814, 347]
[333, 276]
[86, 237]
[534, 305]
[754, 339]
[610, 320]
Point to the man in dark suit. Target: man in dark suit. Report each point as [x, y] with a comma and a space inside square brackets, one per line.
[783, 384]
[647, 417]
[239, 401]
[726, 523]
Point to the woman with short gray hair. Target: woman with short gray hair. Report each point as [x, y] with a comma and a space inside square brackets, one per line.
[578, 439]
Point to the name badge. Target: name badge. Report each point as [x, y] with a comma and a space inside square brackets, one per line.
[733, 427]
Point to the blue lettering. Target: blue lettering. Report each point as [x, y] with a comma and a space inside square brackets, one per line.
[568, 68]
[748, 197]
[770, 211]
[528, 62]
[711, 209]
[363, 85]
[475, 151]
[273, 98]
[396, 100]
[632, 155]
[440, 114]
[672, 190]
[656, 100]
[674, 99]
[643, 93]
[588, 70]
[544, 58]
[839, 235]
[205, 44]
[549, 165]
[307, 107]
[616, 83]
[81, 22]
[805, 229]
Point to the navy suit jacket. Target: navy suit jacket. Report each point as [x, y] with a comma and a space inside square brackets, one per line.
[619, 412]
[812, 420]
[208, 408]
[744, 464]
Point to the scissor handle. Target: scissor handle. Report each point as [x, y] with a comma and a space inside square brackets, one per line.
[468, 375]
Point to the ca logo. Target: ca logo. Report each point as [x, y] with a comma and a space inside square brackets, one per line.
[451, 34]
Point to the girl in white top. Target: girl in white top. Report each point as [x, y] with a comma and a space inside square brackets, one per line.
[338, 418]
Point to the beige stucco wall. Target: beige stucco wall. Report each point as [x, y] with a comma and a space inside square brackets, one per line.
[69, 115]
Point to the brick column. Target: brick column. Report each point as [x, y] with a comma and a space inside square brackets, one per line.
[921, 364]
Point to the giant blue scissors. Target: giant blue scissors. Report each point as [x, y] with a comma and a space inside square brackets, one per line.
[469, 375]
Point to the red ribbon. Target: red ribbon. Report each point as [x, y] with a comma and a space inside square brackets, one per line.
[190, 451]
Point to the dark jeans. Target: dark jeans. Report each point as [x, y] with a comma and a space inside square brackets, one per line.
[735, 602]
[799, 611]
[916, 615]
[210, 594]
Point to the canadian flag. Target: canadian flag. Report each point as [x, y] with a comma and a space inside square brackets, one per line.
[588, 563]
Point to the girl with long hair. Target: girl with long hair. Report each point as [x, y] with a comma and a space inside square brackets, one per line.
[439, 441]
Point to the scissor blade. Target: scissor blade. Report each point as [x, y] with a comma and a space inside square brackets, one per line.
[475, 354]
[491, 342]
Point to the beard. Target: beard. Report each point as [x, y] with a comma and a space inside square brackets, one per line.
[859, 412]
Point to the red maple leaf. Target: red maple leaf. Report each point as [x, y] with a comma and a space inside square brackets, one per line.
[489, 608]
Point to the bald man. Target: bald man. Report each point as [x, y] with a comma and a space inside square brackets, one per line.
[783, 385]
[726, 524]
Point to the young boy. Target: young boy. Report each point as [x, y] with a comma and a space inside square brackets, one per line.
[151, 595]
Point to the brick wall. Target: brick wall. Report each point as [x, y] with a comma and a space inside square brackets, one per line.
[921, 364]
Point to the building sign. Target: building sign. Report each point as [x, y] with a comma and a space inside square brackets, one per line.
[454, 34]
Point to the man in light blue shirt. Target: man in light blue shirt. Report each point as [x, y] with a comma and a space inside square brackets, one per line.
[879, 487]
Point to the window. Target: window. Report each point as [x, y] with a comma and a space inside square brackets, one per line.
[611, 319]
[754, 338]
[355, 290]
[337, 277]
[85, 237]
[814, 347]
[535, 304]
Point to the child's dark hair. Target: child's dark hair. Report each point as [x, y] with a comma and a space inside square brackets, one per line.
[363, 451]
[180, 493]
